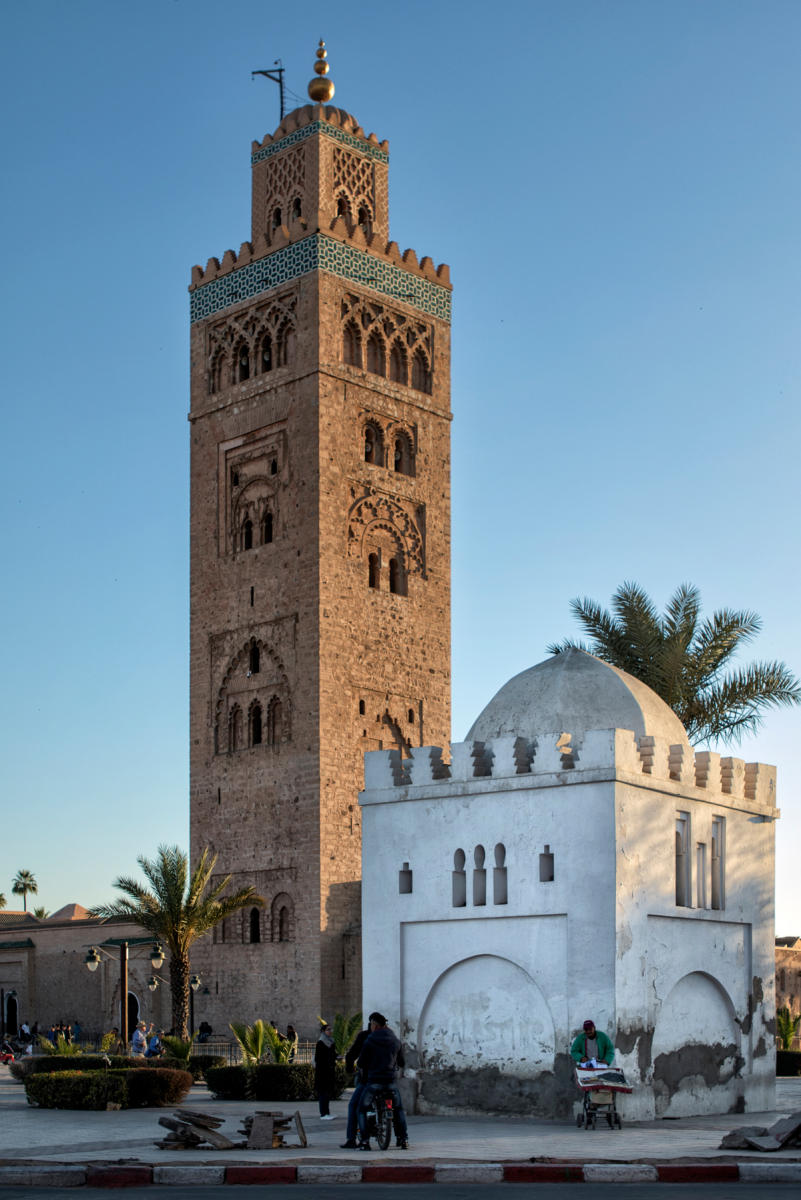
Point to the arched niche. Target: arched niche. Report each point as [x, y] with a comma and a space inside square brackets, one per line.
[695, 1054]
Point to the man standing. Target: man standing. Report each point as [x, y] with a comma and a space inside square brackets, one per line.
[380, 1057]
[592, 1048]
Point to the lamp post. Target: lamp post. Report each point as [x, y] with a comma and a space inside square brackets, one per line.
[93, 960]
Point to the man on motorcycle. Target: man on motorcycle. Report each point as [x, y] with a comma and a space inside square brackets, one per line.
[379, 1059]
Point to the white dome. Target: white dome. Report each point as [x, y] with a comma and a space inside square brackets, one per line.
[571, 693]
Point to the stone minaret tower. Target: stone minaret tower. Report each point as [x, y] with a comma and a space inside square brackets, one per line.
[320, 593]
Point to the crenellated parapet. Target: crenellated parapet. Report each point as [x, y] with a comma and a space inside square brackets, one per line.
[560, 758]
[332, 122]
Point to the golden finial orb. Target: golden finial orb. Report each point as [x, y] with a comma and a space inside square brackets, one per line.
[321, 89]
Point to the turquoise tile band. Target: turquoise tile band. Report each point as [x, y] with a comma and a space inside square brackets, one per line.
[339, 135]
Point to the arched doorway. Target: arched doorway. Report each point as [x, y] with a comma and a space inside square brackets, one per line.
[696, 1050]
[11, 1014]
[133, 1013]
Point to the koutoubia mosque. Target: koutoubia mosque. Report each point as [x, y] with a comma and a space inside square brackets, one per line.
[320, 551]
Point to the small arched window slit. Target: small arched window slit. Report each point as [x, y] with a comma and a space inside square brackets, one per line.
[459, 881]
[405, 880]
[479, 877]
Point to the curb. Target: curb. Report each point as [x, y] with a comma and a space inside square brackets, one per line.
[200, 1175]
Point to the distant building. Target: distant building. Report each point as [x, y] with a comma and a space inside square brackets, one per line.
[788, 978]
[43, 973]
[576, 858]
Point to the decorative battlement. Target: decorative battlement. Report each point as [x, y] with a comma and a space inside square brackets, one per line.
[555, 754]
[347, 252]
[317, 118]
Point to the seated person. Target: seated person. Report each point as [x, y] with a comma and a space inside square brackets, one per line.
[155, 1047]
[379, 1059]
[592, 1048]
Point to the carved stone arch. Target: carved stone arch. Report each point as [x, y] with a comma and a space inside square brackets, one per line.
[252, 501]
[373, 512]
[421, 371]
[352, 344]
[376, 358]
[240, 689]
[401, 450]
[398, 362]
[219, 370]
[282, 918]
[373, 435]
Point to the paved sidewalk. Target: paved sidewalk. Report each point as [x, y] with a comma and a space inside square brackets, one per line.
[456, 1148]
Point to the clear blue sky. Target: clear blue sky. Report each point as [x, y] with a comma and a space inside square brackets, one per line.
[615, 184]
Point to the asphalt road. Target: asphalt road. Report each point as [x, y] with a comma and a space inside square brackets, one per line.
[434, 1191]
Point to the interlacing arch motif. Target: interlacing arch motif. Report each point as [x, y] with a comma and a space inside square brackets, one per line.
[374, 513]
[253, 707]
[287, 182]
[354, 183]
[389, 444]
[253, 518]
[251, 344]
[386, 343]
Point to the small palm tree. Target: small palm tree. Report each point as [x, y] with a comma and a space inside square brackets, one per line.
[786, 1027]
[2, 899]
[178, 910]
[24, 883]
[684, 659]
[41, 912]
[252, 1040]
[344, 1030]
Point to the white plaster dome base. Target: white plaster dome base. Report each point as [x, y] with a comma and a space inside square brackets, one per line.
[575, 692]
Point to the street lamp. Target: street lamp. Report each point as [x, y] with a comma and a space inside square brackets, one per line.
[194, 984]
[93, 961]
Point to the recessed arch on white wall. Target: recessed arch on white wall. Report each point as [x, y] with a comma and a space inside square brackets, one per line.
[696, 1046]
[486, 1011]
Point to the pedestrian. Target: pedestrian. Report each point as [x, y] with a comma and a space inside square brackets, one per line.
[139, 1041]
[325, 1057]
[292, 1038]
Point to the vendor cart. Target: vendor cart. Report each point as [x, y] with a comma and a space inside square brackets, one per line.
[599, 1086]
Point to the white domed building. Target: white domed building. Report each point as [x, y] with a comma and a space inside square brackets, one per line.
[574, 858]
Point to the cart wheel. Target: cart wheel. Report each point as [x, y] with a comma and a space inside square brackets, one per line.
[580, 1120]
[610, 1120]
[618, 1121]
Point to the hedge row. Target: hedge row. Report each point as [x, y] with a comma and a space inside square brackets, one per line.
[47, 1063]
[788, 1062]
[131, 1088]
[269, 1081]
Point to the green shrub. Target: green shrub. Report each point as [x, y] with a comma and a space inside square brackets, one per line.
[199, 1064]
[230, 1083]
[21, 1067]
[788, 1062]
[157, 1088]
[77, 1089]
[131, 1088]
[292, 1081]
[47, 1063]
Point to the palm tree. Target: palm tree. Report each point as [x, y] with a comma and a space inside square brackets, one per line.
[2, 899]
[23, 884]
[41, 912]
[786, 1027]
[178, 910]
[683, 658]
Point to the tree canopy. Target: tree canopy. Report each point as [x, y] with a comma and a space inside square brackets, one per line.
[177, 908]
[684, 658]
[24, 882]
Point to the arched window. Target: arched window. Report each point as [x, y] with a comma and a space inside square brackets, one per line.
[375, 355]
[297, 209]
[421, 376]
[397, 576]
[364, 219]
[274, 467]
[243, 363]
[403, 459]
[275, 714]
[254, 659]
[247, 534]
[374, 571]
[284, 345]
[499, 893]
[458, 880]
[217, 374]
[352, 345]
[267, 528]
[255, 925]
[276, 221]
[361, 708]
[255, 724]
[235, 728]
[282, 919]
[397, 364]
[479, 877]
[266, 356]
[343, 209]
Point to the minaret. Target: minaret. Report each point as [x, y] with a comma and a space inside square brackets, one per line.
[320, 553]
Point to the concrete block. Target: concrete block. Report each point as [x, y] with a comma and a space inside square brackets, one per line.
[770, 1172]
[189, 1175]
[330, 1173]
[42, 1176]
[619, 1173]
[469, 1172]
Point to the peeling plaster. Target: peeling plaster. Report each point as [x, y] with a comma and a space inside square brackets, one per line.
[487, 1090]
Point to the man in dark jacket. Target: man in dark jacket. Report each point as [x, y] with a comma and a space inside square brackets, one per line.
[351, 1059]
[379, 1059]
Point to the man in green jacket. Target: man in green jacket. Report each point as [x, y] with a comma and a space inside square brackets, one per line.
[592, 1048]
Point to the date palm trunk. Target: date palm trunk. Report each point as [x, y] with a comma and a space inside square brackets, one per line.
[179, 988]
